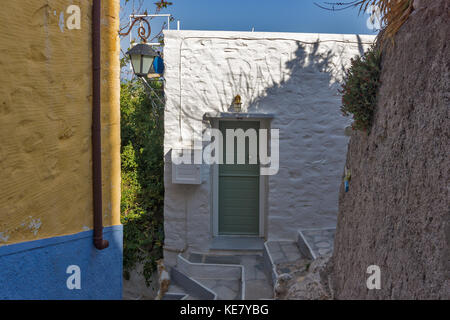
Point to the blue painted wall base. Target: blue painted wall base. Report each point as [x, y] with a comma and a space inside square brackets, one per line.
[37, 269]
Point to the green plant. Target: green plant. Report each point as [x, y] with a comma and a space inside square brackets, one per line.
[359, 91]
[394, 13]
[142, 177]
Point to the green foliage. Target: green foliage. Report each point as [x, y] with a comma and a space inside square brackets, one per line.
[142, 177]
[359, 91]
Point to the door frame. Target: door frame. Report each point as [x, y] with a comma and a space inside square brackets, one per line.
[263, 186]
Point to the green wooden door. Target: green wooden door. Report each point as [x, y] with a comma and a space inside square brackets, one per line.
[238, 188]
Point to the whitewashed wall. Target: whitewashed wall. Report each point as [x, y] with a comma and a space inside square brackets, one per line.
[296, 77]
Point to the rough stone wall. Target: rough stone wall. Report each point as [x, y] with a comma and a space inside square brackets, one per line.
[293, 76]
[396, 212]
[45, 119]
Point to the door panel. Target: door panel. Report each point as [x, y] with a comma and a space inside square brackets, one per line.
[238, 188]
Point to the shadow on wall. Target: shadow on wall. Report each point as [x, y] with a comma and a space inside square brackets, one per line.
[277, 74]
[298, 82]
[301, 70]
[312, 144]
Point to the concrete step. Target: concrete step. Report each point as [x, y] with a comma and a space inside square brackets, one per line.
[257, 283]
[283, 257]
[316, 242]
[224, 280]
[254, 275]
[177, 292]
[237, 243]
[228, 276]
[191, 286]
[278, 254]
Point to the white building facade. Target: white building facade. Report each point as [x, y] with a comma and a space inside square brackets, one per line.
[286, 81]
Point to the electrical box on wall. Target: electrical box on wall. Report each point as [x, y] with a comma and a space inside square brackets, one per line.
[185, 173]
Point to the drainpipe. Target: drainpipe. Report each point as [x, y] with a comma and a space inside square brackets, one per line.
[99, 242]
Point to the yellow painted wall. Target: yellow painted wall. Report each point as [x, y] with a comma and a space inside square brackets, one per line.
[45, 119]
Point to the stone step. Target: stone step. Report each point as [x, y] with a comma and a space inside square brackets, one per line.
[254, 244]
[283, 251]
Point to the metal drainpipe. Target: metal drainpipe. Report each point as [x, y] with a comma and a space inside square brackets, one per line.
[99, 242]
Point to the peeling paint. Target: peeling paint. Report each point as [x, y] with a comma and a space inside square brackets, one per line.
[4, 236]
[61, 21]
[35, 225]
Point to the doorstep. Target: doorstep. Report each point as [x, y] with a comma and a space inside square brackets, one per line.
[237, 243]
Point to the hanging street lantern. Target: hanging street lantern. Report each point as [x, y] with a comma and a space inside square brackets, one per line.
[142, 58]
[146, 62]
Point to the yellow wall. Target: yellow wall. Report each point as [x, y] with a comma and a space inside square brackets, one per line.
[45, 119]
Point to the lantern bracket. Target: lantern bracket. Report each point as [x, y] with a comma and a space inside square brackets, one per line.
[143, 31]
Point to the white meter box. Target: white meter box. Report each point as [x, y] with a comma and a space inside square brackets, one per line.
[185, 173]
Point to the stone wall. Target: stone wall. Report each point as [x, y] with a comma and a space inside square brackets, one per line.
[396, 212]
[293, 76]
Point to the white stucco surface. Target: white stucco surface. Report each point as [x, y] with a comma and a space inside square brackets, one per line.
[294, 76]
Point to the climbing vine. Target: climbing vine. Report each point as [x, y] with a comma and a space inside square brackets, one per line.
[359, 91]
[142, 177]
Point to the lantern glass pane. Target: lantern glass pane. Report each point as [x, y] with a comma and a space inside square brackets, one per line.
[136, 63]
[147, 64]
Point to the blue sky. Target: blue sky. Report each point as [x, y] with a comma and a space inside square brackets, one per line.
[243, 15]
[263, 15]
